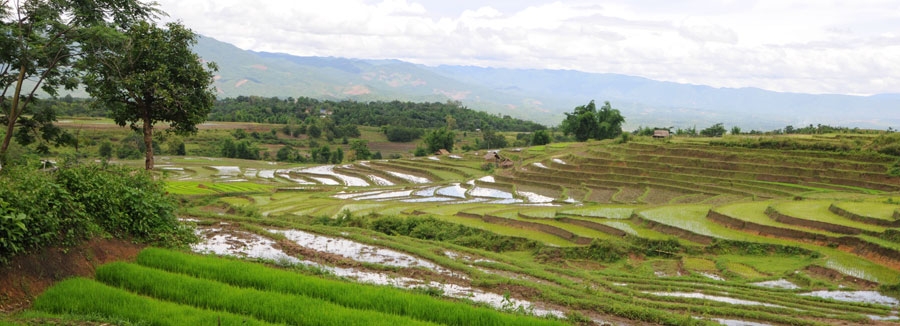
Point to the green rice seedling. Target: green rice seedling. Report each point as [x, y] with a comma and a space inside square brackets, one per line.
[743, 270]
[269, 306]
[613, 212]
[357, 296]
[693, 218]
[877, 210]
[699, 264]
[86, 297]
[818, 211]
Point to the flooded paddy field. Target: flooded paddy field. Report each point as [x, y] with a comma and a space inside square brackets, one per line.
[568, 233]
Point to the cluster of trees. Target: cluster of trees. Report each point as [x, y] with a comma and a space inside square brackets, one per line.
[586, 122]
[141, 73]
[432, 115]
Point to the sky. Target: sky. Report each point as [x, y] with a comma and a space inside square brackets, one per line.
[821, 46]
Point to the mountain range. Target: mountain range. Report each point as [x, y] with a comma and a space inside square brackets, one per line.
[543, 96]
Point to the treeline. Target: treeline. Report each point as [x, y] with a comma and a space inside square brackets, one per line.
[395, 113]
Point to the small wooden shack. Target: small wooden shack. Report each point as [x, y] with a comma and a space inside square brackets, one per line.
[661, 133]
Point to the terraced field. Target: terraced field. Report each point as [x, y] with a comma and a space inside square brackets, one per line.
[674, 233]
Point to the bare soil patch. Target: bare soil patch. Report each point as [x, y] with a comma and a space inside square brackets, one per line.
[27, 276]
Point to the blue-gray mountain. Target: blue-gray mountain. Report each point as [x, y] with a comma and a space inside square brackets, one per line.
[539, 95]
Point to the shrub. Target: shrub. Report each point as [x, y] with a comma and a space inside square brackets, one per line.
[40, 209]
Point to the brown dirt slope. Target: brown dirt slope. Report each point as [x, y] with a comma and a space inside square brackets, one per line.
[27, 276]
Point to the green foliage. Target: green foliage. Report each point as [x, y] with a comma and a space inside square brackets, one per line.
[47, 210]
[429, 228]
[540, 137]
[439, 139]
[402, 134]
[895, 169]
[414, 116]
[360, 150]
[716, 130]
[148, 75]
[243, 149]
[105, 150]
[77, 202]
[492, 139]
[43, 42]
[890, 289]
[586, 122]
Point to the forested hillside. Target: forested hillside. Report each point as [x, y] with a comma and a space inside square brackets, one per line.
[396, 113]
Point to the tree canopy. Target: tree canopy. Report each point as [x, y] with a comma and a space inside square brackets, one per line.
[586, 122]
[150, 75]
[42, 42]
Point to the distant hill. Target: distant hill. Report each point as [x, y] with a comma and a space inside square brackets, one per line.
[539, 95]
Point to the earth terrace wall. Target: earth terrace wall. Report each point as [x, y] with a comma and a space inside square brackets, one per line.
[761, 229]
[549, 229]
[436, 165]
[671, 230]
[857, 246]
[664, 173]
[828, 160]
[797, 160]
[861, 218]
[547, 189]
[777, 216]
[594, 226]
[407, 169]
[382, 174]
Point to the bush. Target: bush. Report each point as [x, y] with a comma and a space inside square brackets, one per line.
[40, 209]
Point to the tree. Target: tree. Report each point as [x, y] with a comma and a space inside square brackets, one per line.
[42, 40]
[148, 75]
[716, 130]
[360, 149]
[493, 140]
[585, 122]
[582, 122]
[440, 139]
[735, 130]
[540, 137]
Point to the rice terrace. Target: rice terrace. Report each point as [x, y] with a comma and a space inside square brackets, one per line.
[678, 232]
[416, 162]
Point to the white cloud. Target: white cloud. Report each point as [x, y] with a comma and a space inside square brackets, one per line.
[784, 45]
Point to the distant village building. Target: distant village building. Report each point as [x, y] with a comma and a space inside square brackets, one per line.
[661, 133]
[442, 152]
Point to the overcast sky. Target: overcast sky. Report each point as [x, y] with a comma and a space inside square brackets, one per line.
[821, 46]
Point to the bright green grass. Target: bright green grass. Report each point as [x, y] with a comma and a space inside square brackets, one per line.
[852, 265]
[87, 297]
[389, 303]
[236, 201]
[754, 212]
[269, 306]
[699, 264]
[693, 218]
[878, 210]
[770, 264]
[817, 210]
[195, 188]
[539, 212]
[615, 212]
[744, 271]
